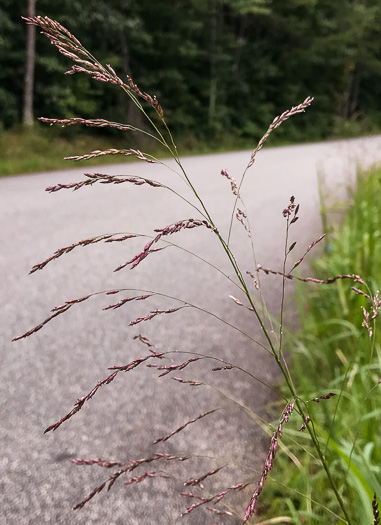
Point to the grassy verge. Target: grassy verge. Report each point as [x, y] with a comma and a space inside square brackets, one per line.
[333, 353]
[43, 148]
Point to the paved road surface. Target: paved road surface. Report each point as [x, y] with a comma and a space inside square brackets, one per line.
[42, 376]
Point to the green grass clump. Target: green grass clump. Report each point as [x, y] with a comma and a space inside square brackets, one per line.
[44, 148]
[334, 353]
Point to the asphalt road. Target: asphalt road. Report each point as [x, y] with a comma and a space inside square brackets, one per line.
[43, 376]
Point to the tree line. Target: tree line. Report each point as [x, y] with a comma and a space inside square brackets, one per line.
[218, 67]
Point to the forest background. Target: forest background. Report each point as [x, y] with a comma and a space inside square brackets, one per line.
[221, 69]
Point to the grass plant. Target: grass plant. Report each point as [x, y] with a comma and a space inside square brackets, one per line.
[307, 413]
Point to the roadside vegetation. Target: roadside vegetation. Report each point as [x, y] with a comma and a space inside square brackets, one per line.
[40, 149]
[327, 421]
[44, 149]
[334, 353]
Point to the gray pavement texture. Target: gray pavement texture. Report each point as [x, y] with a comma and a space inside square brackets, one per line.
[43, 376]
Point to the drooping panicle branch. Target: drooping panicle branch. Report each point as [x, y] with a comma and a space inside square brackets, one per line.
[112, 151]
[145, 341]
[98, 461]
[106, 381]
[109, 237]
[168, 436]
[330, 280]
[190, 382]
[198, 481]
[69, 46]
[187, 224]
[170, 368]
[215, 499]
[233, 182]
[370, 316]
[139, 479]
[359, 292]
[162, 232]
[154, 313]
[136, 259]
[218, 368]
[127, 300]
[133, 464]
[300, 108]
[241, 216]
[58, 310]
[269, 460]
[92, 123]
[308, 250]
[103, 179]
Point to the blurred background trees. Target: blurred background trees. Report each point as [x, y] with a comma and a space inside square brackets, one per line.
[220, 68]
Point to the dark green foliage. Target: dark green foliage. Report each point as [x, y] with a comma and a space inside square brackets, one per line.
[220, 68]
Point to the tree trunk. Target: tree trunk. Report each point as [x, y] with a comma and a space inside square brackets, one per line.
[215, 16]
[355, 91]
[29, 67]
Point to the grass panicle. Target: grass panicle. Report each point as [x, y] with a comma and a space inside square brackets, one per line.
[334, 462]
